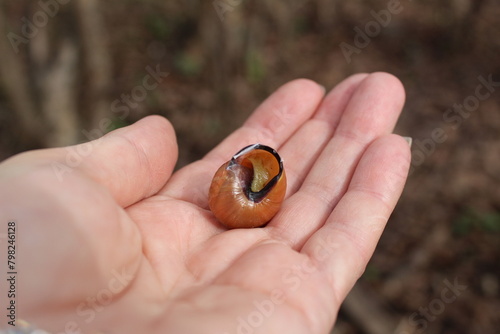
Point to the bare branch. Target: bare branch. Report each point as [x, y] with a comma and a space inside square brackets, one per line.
[96, 58]
[14, 78]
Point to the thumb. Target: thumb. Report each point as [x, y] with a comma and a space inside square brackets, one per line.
[133, 162]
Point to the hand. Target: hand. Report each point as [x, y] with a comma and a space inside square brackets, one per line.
[109, 240]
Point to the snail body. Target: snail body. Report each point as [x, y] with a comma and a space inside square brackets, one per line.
[247, 191]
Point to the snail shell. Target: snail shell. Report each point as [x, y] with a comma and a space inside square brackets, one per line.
[247, 191]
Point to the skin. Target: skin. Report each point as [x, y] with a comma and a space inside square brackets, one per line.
[110, 240]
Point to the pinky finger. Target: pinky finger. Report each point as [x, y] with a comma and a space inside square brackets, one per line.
[344, 245]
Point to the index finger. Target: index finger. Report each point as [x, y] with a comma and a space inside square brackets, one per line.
[272, 123]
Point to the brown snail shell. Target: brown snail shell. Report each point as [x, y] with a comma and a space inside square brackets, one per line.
[247, 191]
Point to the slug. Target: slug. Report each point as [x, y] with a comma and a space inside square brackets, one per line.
[247, 191]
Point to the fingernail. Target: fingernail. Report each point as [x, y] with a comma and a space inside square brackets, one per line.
[409, 140]
[323, 87]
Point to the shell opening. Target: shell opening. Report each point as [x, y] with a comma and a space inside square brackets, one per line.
[262, 167]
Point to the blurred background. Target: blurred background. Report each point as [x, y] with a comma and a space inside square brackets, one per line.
[73, 70]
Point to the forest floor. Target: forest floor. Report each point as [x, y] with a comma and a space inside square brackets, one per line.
[445, 230]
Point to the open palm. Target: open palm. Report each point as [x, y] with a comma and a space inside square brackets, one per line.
[119, 244]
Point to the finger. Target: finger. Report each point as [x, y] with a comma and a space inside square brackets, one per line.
[73, 231]
[343, 246]
[75, 239]
[132, 162]
[303, 148]
[274, 121]
[70, 192]
[76, 243]
[372, 111]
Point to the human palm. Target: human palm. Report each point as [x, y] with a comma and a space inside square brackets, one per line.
[116, 243]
